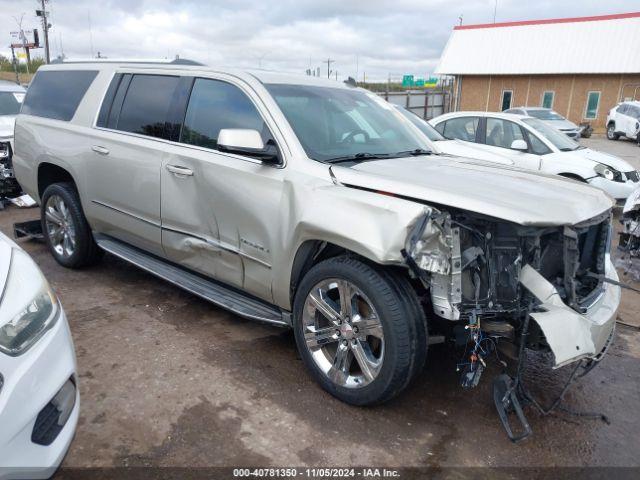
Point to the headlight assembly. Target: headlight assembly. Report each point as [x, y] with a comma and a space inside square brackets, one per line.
[608, 173]
[28, 306]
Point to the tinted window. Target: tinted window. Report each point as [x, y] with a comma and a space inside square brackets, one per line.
[463, 128]
[146, 105]
[57, 94]
[634, 112]
[506, 100]
[593, 100]
[502, 133]
[10, 102]
[623, 108]
[215, 105]
[547, 99]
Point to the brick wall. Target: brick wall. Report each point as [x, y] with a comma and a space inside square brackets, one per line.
[485, 93]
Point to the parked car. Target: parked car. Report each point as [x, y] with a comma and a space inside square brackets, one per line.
[314, 205]
[530, 143]
[11, 96]
[39, 400]
[624, 120]
[551, 118]
[458, 148]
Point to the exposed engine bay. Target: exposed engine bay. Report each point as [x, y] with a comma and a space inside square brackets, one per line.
[9, 187]
[508, 288]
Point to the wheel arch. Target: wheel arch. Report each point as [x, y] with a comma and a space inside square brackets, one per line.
[50, 173]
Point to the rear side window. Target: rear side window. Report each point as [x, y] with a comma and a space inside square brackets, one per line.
[146, 105]
[215, 105]
[463, 128]
[57, 94]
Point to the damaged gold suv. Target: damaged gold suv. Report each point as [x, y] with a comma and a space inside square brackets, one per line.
[314, 205]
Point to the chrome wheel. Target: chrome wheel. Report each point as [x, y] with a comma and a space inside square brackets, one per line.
[611, 132]
[60, 228]
[343, 333]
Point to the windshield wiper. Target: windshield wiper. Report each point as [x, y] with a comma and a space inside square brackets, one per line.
[358, 157]
[414, 153]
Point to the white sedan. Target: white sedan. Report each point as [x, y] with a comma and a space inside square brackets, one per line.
[526, 142]
[39, 400]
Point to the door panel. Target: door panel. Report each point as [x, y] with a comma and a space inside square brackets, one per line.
[124, 187]
[221, 220]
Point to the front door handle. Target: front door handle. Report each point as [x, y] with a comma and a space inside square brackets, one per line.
[178, 170]
[100, 150]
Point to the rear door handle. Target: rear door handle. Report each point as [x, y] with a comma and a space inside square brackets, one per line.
[178, 170]
[100, 150]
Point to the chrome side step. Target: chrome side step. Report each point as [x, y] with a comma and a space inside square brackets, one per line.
[215, 292]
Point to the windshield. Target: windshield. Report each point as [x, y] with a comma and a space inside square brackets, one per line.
[338, 123]
[545, 114]
[431, 133]
[556, 137]
[10, 102]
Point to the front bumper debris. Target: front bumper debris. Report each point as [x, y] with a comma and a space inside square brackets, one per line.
[573, 336]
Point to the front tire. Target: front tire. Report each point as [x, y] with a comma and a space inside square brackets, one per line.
[65, 228]
[358, 330]
[611, 132]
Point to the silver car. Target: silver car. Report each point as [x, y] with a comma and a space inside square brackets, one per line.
[551, 118]
[315, 205]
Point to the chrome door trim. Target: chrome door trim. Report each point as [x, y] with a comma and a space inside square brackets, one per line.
[129, 214]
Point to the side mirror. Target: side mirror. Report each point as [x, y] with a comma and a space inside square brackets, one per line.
[519, 145]
[242, 141]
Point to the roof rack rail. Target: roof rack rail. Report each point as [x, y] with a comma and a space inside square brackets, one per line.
[176, 61]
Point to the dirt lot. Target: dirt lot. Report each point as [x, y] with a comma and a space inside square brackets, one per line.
[167, 379]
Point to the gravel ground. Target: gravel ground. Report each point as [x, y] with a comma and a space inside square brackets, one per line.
[167, 379]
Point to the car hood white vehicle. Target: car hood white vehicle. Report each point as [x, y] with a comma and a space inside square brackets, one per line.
[512, 194]
[587, 155]
[561, 124]
[5, 259]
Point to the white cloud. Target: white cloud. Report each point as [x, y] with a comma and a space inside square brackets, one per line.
[378, 37]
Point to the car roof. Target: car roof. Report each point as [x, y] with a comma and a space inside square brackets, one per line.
[631, 102]
[6, 86]
[263, 76]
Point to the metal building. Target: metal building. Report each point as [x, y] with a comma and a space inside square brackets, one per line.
[581, 67]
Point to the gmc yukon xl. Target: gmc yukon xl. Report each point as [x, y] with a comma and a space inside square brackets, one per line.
[315, 205]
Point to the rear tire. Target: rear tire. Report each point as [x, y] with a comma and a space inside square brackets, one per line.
[65, 228]
[611, 132]
[360, 330]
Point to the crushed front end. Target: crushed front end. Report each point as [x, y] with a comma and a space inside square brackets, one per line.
[9, 186]
[511, 288]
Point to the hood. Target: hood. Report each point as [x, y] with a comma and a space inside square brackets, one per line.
[600, 157]
[561, 124]
[506, 193]
[466, 149]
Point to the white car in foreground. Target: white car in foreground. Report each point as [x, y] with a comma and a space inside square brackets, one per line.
[39, 400]
[531, 144]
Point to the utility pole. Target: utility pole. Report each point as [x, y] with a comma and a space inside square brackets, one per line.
[45, 29]
[15, 64]
[328, 61]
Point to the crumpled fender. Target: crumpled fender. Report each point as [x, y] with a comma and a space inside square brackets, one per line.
[570, 335]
